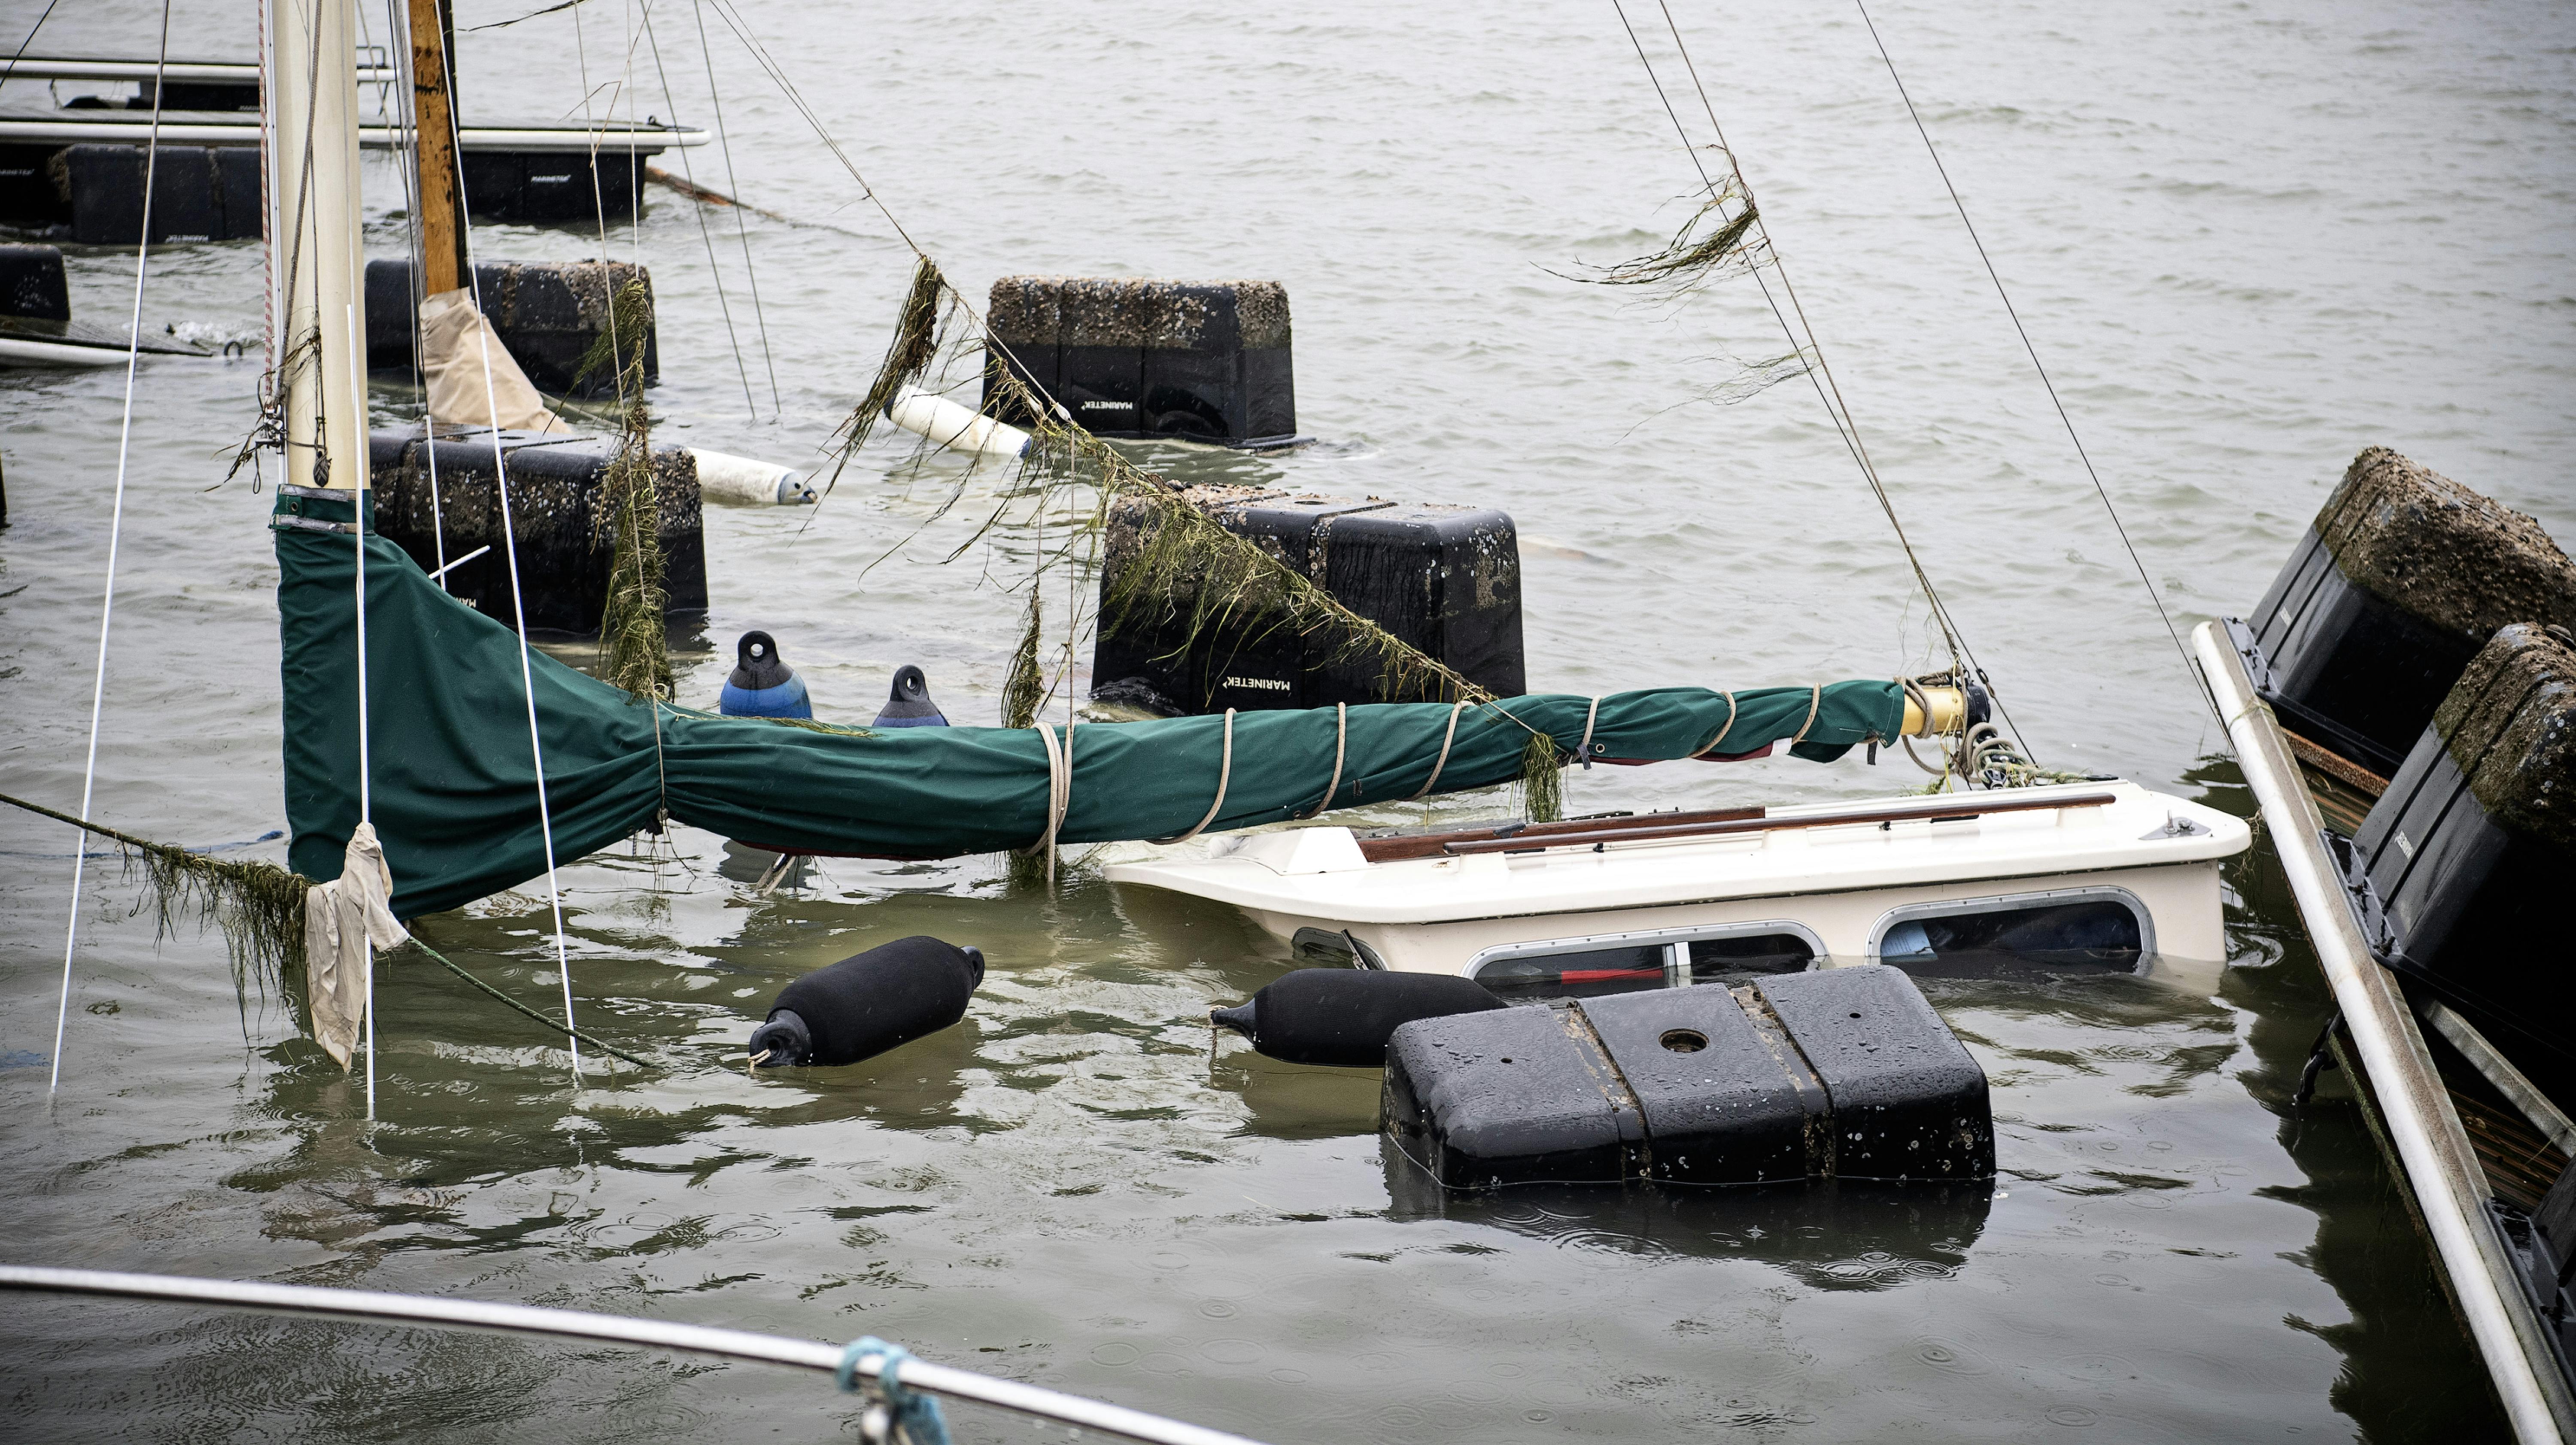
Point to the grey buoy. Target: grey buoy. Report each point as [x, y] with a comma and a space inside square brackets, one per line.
[908, 704]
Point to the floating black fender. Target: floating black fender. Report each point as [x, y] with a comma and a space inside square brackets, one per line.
[868, 1003]
[1343, 1016]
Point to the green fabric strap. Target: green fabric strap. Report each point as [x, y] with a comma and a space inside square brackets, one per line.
[454, 793]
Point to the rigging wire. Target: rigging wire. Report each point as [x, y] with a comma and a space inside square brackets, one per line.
[706, 233]
[21, 53]
[115, 535]
[2033, 351]
[518, 609]
[733, 188]
[1804, 337]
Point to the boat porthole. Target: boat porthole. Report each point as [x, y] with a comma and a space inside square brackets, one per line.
[1684, 1041]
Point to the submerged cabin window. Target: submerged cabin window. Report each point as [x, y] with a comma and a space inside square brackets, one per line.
[1591, 973]
[1727, 955]
[1734, 960]
[2004, 935]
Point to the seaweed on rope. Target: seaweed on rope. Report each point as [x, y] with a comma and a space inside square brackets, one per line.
[914, 347]
[1722, 237]
[634, 644]
[1189, 566]
[258, 906]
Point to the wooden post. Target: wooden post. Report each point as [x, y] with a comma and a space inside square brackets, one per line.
[433, 104]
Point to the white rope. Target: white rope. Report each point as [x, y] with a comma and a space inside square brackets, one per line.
[1721, 732]
[1224, 775]
[115, 534]
[1583, 749]
[1442, 762]
[366, 809]
[1341, 743]
[1059, 790]
[1815, 704]
[518, 608]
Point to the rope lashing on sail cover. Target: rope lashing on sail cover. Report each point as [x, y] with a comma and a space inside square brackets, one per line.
[1060, 791]
[916, 1415]
[1225, 776]
[1341, 750]
[1730, 726]
[1447, 737]
[1592, 715]
[115, 536]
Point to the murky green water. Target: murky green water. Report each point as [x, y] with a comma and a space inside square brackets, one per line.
[2249, 239]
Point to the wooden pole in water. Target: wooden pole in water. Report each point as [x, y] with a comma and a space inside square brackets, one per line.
[433, 108]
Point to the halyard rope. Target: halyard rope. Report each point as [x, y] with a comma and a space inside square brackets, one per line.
[115, 534]
[518, 608]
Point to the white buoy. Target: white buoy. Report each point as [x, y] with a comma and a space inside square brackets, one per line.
[956, 427]
[742, 482]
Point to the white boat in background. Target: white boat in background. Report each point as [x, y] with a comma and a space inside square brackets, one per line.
[2094, 875]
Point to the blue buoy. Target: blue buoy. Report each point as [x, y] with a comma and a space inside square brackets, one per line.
[762, 685]
[910, 706]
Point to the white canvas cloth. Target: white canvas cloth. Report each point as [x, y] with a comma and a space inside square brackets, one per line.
[341, 918]
[455, 341]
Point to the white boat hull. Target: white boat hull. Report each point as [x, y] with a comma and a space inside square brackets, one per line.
[1840, 888]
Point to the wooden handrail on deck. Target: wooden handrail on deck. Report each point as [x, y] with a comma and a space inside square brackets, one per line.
[1944, 810]
[1429, 845]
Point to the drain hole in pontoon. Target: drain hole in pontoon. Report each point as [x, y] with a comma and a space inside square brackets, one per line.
[1684, 1041]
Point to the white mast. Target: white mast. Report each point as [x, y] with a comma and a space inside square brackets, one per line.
[317, 296]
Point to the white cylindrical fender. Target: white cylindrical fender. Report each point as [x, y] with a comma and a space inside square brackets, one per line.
[742, 482]
[959, 428]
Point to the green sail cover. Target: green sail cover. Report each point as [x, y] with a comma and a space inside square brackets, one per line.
[454, 788]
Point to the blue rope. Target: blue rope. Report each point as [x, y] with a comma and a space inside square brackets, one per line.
[918, 1416]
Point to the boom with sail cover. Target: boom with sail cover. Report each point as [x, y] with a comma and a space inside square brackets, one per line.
[455, 802]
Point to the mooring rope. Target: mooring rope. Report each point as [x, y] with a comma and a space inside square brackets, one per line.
[1224, 776]
[115, 535]
[2065, 420]
[453, 967]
